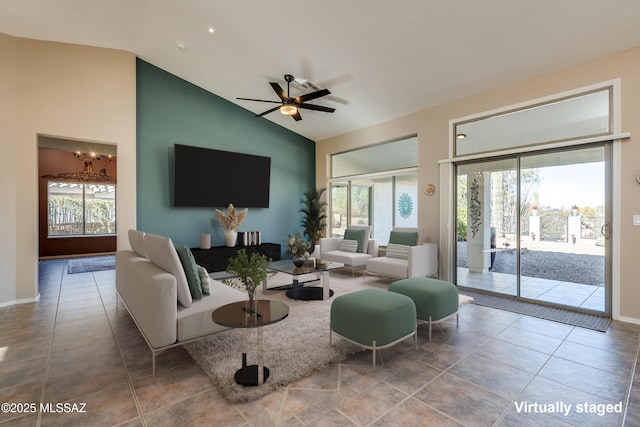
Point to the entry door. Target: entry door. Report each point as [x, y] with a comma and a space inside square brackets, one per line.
[535, 227]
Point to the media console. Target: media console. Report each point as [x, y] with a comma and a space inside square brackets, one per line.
[217, 258]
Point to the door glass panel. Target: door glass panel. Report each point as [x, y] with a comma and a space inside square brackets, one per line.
[360, 203]
[563, 209]
[338, 216]
[382, 209]
[486, 231]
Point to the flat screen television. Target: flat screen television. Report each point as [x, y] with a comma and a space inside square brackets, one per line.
[204, 177]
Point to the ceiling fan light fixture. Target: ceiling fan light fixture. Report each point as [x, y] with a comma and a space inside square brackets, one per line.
[288, 110]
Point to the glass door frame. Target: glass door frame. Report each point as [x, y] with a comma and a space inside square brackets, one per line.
[609, 160]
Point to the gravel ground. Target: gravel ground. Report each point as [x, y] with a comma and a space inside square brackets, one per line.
[562, 266]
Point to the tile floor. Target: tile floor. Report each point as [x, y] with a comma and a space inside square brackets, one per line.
[74, 346]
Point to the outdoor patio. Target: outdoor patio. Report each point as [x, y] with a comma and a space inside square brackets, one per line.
[565, 273]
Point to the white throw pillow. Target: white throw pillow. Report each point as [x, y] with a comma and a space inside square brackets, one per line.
[397, 251]
[348, 245]
[162, 253]
[136, 241]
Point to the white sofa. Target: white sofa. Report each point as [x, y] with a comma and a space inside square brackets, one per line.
[421, 259]
[150, 281]
[330, 249]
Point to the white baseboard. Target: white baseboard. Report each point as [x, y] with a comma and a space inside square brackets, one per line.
[628, 320]
[20, 301]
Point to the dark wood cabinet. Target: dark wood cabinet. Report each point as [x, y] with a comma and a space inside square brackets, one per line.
[217, 258]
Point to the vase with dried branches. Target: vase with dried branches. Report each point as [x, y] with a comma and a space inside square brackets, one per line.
[230, 221]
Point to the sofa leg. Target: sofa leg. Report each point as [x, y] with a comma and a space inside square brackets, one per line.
[429, 328]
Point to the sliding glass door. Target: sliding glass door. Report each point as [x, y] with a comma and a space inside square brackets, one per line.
[535, 226]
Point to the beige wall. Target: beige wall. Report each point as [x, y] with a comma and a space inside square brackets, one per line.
[432, 127]
[8, 187]
[66, 91]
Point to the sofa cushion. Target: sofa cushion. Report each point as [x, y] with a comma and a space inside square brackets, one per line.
[353, 259]
[348, 245]
[403, 238]
[190, 270]
[357, 235]
[204, 280]
[398, 251]
[161, 252]
[386, 266]
[195, 321]
[136, 241]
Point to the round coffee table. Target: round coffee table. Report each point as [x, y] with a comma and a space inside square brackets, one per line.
[239, 315]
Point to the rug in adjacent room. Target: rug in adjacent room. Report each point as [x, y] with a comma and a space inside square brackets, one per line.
[88, 264]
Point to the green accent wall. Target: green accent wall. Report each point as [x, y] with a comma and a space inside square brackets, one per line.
[172, 111]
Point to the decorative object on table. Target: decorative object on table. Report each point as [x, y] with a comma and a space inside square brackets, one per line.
[297, 247]
[248, 273]
[230, 222]
[205, 241]
[313, 216]
[249, 238]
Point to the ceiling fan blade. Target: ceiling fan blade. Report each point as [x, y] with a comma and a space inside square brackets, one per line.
[279, 91]
[297, 117]
[313, 95]
[260, 100]
[317, 108]
[267, 112]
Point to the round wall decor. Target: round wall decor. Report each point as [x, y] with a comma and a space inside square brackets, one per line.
[429, 189]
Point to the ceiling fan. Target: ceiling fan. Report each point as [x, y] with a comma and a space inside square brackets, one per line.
[289, 106]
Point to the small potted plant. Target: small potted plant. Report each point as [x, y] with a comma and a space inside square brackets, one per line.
[297, 247]
[230, 222]
[248, 272]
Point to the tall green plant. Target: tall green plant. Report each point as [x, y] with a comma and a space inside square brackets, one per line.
[314, 215]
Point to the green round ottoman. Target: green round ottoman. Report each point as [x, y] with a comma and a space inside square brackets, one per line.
[373, 319]
[436, 300]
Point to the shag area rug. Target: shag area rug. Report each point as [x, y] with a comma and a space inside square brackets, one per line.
[88, 264]
[293, 348]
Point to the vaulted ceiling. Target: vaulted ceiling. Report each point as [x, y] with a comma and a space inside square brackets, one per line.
[380, 59]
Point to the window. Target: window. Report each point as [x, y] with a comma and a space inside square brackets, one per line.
[79, 209]
[376, 186]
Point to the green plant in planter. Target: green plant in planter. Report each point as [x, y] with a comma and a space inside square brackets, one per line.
[314, 216]
[248, 272]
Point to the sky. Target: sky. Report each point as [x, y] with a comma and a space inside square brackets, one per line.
[578, 184]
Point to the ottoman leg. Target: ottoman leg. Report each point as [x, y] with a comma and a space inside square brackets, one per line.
[429, 328]
[374, 353]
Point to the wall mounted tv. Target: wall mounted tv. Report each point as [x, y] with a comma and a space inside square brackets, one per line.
[203, 177]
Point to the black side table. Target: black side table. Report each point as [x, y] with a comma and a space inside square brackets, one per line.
[240, 315]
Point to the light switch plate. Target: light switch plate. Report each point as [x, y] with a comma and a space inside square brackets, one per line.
[636, 220]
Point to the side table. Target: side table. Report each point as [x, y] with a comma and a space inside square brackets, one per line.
[240, 315]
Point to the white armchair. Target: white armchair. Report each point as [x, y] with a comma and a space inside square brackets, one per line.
[403, 261]
[330, 249]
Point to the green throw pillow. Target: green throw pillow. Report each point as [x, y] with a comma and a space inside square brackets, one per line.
[403, 238]
[190, 270]
[204, 280]
[357, 235]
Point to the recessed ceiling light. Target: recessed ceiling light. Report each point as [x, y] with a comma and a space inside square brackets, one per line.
[182, 46]
[211, 30]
